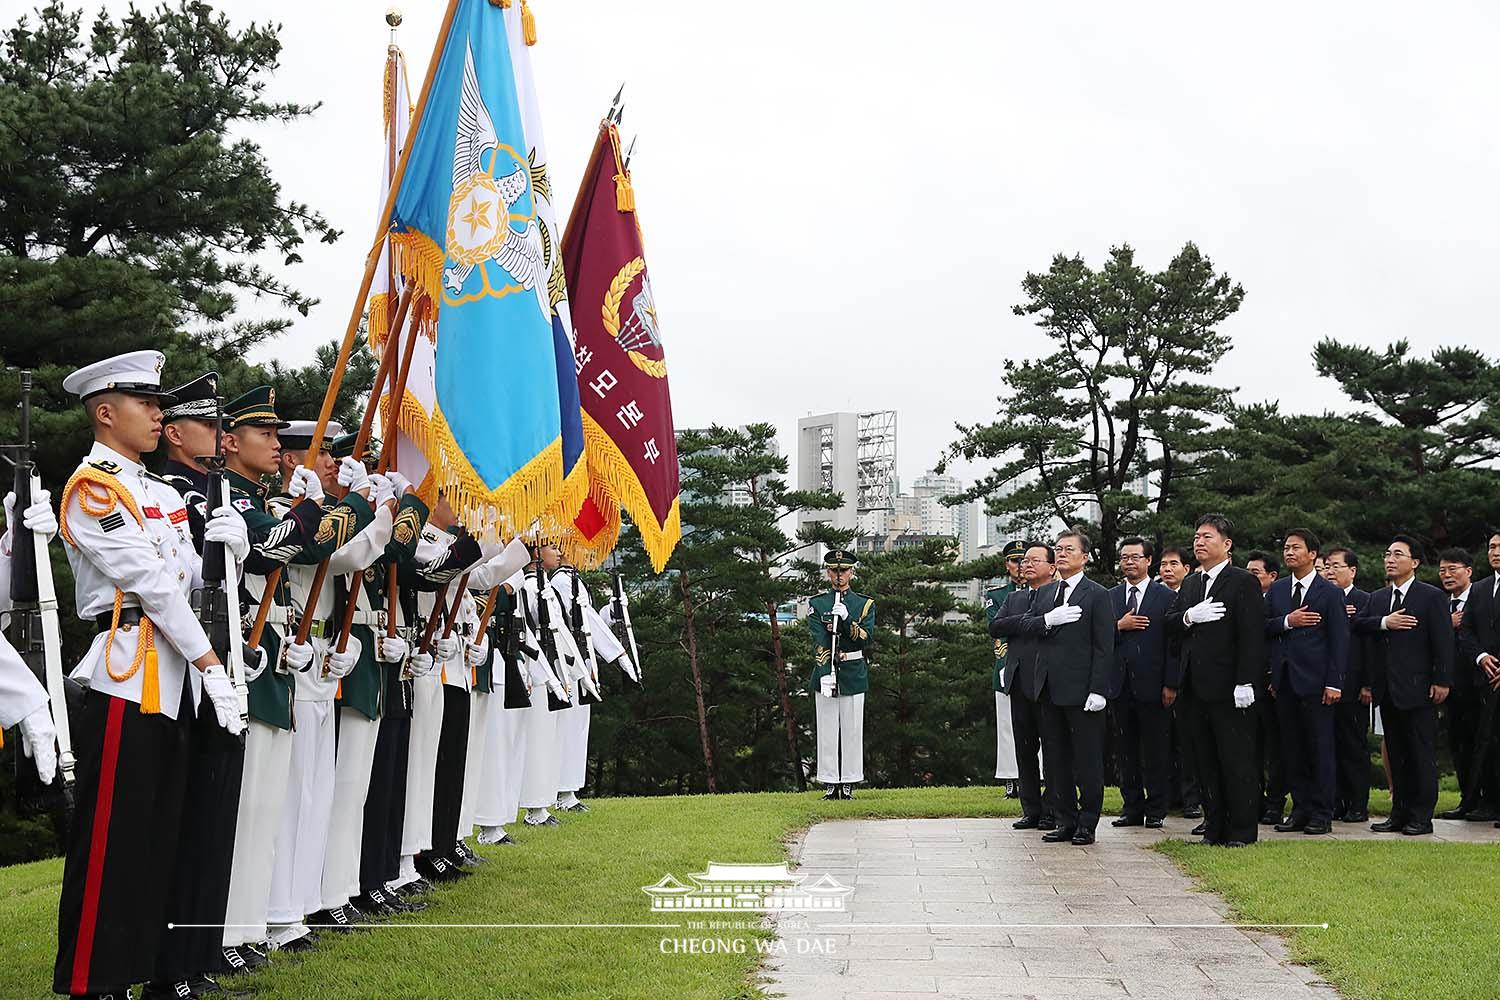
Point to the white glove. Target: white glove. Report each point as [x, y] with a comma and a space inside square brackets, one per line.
[421, 664]
[826, 685]
[341, 665]
[400, 485]
[305, 483]
[839, 610]
[254, 665]
[444, 649]
[1065, 615]
[39, 516]
[392, 650]
[623, 662]
[478, 651]
[382, 489]
[225, 525]
[1205, 611]
[539, 674]
[297, 655]
[1095, 703]
[1244, 696]
[353, 475]
[220, 691]
[39, 740]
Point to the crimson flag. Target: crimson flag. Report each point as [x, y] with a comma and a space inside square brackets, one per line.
[629, 441]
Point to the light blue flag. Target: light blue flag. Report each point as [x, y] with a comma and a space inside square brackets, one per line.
[465, 222]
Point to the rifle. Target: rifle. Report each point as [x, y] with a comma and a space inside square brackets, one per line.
[547, 636]
[220, 604]
[583, 637]
[833, 645]
[620, 612]
[34, 626]
[517, 682]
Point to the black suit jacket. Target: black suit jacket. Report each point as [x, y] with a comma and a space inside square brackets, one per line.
[1074, 660]
[1407, 663]
[1141, 656]
[1480, 631]
[1219, 656]
[1357, 666]
[1306, 660]
[1020, 649]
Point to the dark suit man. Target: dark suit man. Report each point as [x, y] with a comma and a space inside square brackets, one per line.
[1025, 714]
[1220, 615]
[1075, 636]
[1465, 704]
[1309, 632]
[1173, 567]
[1479, 645]
[1273, 786]
[1142, 672]
[1351, 716]
[1413, 670]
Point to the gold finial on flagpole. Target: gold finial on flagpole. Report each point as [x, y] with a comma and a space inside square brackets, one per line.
[393, 18]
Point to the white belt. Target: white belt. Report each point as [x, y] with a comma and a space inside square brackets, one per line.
[853, 654]
[375, 619]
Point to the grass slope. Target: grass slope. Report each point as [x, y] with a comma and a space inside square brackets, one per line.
[591, 869]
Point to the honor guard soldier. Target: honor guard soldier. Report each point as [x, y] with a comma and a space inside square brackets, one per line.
[23, 700]
[134, 568]
[841, 623]
[1006, 768]
[252, 451]
[190, 956]
[363, 702]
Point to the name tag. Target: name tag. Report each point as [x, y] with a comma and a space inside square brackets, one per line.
[152, 512]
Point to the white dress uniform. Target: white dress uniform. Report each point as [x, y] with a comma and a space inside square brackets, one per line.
[573, 723]
[426, 712]
[302, 836]
[356, 737]
[504, 764]
[540, 780]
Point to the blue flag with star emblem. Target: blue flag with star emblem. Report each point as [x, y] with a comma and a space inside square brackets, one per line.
[467, 231]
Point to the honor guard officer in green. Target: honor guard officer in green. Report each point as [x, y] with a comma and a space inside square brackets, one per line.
[1005, 738]
[840, 623]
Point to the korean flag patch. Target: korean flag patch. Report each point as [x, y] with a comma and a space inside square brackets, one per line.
[243, 504]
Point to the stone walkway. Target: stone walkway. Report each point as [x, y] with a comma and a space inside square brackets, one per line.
[935, 905]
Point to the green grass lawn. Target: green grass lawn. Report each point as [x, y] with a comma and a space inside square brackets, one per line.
[591, 869]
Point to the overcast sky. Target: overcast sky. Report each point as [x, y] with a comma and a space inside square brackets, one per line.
[840, 199]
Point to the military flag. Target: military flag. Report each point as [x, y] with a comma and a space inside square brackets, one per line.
[621, 367]
[556, 521]
[465, 222]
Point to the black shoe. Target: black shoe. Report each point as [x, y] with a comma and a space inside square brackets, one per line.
[335, 919]
[1481, 814]
[1355, 817]
[1062, 835]
[1210, 842]
[1082, 838]
[420, 887]
[846, 792]
[1271, 817]
[445, 869]
[1292, 824]
[1388, 825]
[830, 793]
[1046, 823]
[1129, 821]
[1153, 822]
[1027, 823]
[180, 990]
[1459, 813]
[1416, 829]
[467, 856]
[1236, 843]
[1193, 812]
[205, 985]
[505, 841]
[1317, 827]
[374, 904]
[243, 959]
[576, 807]
[296, 945]
[1199, 830]
[406, 902]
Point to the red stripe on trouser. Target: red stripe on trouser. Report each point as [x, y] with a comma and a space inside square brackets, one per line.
[83, 952]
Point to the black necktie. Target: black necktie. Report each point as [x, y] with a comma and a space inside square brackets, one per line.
[1062, 595]
[1453, 606]
[1297, 595]
[1396, 602]
[1130, 604]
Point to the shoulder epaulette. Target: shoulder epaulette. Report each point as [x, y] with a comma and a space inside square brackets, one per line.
[105, 465]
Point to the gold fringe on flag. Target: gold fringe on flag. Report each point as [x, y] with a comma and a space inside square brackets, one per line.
[528, 23]
[610, 468]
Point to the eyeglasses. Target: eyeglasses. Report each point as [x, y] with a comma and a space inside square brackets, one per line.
[1397, 554]
[1063, 550]
[1131, 558]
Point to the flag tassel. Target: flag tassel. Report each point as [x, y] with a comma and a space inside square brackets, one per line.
[528, 23]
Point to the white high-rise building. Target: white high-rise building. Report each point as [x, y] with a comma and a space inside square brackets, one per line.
[854, 455]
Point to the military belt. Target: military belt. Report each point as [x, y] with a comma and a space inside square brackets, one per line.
[105, 620]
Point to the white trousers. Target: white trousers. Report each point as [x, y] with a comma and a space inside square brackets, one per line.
[302, 837]
[351, 782]
[481, 707]
[573, 748]
[421, 763]
[268, 755]
[539, 782]
[841, 739]
[1006, 768]
[499, 795]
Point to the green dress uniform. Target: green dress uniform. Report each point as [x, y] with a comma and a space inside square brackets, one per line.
[839, 688]
[1005, 736]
